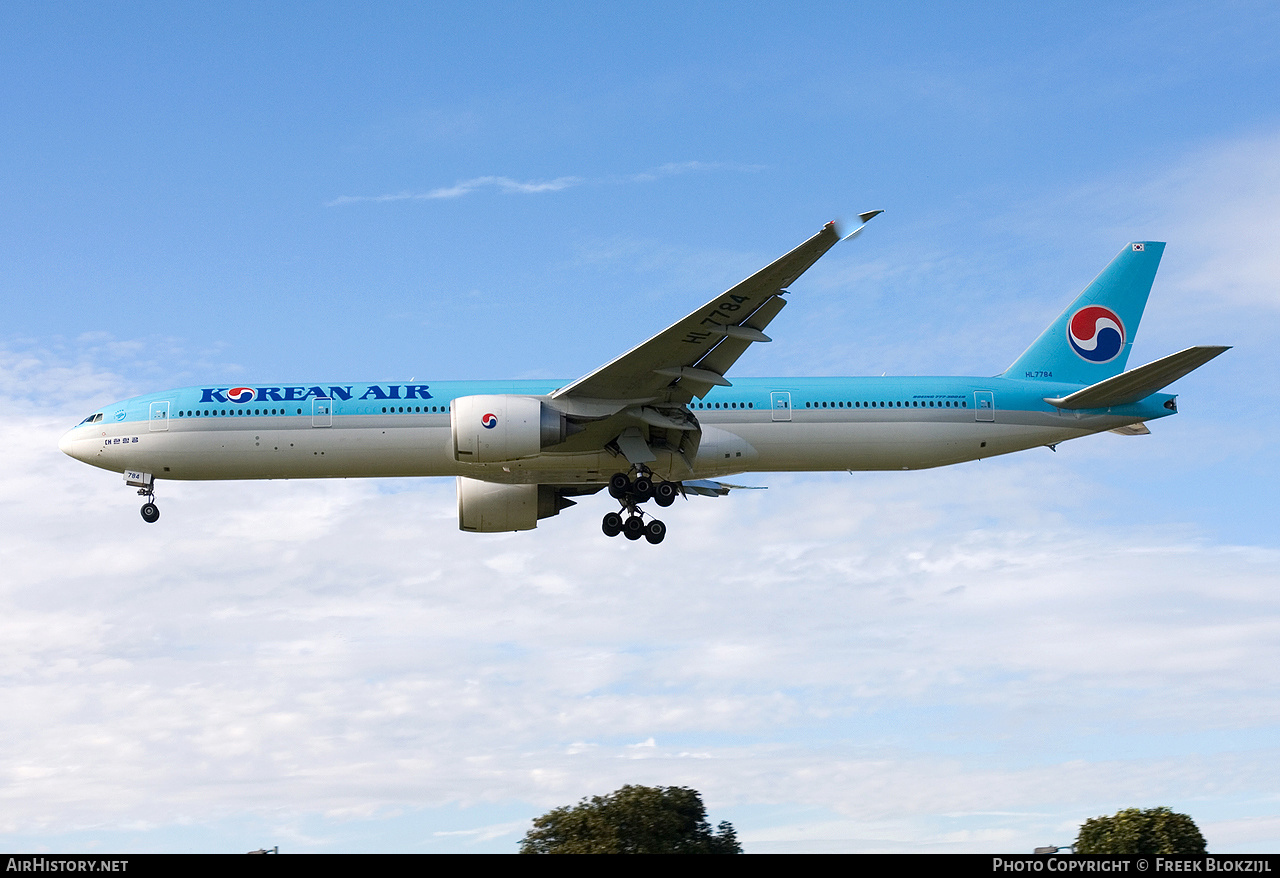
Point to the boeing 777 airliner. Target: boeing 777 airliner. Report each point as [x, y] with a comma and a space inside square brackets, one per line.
[662, 420]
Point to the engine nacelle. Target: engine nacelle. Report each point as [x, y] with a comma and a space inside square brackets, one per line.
[493, 429]
[486, 507]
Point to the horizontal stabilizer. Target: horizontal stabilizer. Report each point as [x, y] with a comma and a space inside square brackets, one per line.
[1129, 387]
[708, 488]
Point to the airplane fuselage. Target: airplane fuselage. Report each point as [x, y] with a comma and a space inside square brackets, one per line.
[757, 425]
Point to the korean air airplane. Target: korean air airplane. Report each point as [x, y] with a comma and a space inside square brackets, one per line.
[660, 422]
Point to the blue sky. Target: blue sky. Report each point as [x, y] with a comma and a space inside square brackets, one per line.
[975, 659]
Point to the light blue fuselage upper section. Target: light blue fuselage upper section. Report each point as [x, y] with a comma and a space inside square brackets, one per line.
[747, 394]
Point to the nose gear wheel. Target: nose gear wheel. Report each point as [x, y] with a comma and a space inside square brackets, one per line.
[150, 511]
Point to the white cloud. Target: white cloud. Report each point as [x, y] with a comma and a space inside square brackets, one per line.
[488, 833]
[505, 185]
[508, 185]
[1226, 200]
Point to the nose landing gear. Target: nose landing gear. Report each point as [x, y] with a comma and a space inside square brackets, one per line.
[146, 486]
[150, 511]
[631, 493]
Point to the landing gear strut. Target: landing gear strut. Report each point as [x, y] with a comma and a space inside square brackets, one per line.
[150, 511]
[630, 520]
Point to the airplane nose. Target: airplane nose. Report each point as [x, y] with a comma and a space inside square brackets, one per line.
[67, 445]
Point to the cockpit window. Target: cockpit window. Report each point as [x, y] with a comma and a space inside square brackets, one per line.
[92, 419]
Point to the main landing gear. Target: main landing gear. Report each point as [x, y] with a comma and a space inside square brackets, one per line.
[630, 520]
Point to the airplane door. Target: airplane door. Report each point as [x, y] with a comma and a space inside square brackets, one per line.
[781, 400]
[984, 405]
[159, 419]
[322, 413]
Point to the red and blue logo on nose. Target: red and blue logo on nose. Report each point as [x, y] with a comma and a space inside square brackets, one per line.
[241, 394]
[1096, 334]
[489, 421]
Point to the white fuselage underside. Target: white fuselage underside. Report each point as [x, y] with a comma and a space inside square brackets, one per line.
[372, 446]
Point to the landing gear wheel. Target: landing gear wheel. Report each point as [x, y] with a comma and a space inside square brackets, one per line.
[619, 484]
[612, 524]
[654, 531]
[664, 493]
[643, 488]
[150, 513]
[633, 528]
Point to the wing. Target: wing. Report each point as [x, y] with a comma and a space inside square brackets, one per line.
[691, 356]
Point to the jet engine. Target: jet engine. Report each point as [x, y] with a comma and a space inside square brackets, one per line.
[493, 429]
[486, 507]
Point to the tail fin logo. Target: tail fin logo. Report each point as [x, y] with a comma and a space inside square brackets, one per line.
[1096, 334]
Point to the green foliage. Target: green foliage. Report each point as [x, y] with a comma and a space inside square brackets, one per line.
[1147, 833]
[632, 820]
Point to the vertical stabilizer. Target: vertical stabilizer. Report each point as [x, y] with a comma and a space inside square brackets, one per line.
[1090, 341]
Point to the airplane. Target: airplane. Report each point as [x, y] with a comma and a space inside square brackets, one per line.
[661, 421]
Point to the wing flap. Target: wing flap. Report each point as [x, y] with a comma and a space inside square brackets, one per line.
[1138, 429]
[634, 448]
[721, 357]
